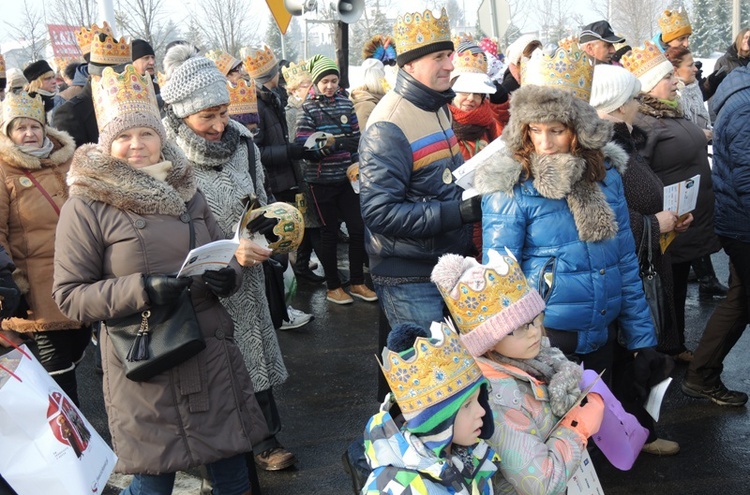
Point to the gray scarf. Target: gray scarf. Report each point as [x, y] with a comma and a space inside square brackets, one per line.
[552, 367]
[40, 152]
[202, 152]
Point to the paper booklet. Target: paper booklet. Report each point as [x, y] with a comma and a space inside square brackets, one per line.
[585, 481]
[680, 198]
[464, 174]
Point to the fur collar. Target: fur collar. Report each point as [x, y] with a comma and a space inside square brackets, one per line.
[100, 177]
[559, 177]
[630, 140]
[654, 107]
[62, 151]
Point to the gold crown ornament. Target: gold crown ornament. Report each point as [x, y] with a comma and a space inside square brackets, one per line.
[21, 105]
[567, 68]
[2, 68]
[438, 368]
[161, 79]
[224, 61]
[641, 60]
[259, 61]
[242, 98]
[415, 30]
[85, 36]
[462, 37]
[296, 73]
[119, 94]
[289, 228]
[674, 24]
[467, 62]
[107, 50]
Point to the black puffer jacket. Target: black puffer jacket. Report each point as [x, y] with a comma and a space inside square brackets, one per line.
[272, 140]
[76, 117]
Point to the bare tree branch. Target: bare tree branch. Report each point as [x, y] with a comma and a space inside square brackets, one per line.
[226, 24]
[75, 12]
[31, 31]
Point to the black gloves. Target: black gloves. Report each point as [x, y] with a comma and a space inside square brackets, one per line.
[295, 151]
[298, 151]
[350, 144]
[650, 367]
[500, 96]
[699, 73]
[10, 295]
[711, 83]
[263, 225]
[163, 289]
[220, 282]
[471, 209]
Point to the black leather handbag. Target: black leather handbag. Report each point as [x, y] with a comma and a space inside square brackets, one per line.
[159, 338]
[652, 286]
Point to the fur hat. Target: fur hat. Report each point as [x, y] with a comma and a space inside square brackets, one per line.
[193, 84]
[487, 302]
[37, 69]
[613, 86]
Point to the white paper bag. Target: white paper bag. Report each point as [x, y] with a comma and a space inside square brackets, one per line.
[48, 446]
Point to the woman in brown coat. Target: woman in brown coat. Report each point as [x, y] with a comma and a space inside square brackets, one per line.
[121, 233]
[34, 160]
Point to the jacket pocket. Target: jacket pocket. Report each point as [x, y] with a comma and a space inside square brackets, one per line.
[547, 278]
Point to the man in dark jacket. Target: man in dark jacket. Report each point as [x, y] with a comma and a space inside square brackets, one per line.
[731, 182]
[411, 206]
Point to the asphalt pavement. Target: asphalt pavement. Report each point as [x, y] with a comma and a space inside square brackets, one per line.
[331, 393]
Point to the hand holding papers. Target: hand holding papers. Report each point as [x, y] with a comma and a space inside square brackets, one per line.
[680, 198]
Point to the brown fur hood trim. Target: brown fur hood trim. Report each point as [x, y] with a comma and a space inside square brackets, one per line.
[62, 151]
[654, 107]
[541, 104]
[100, 177]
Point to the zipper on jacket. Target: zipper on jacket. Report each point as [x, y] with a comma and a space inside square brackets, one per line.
[445, 134]
[547, 278]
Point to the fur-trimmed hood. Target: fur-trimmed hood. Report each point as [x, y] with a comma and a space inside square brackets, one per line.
[654, 107]
[62, 151]
[542, 104]
[100, 177]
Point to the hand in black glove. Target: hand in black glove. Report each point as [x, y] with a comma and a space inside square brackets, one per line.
[263, 225]
[350, 144]
[295, 151]
[500, 96]
[10, 295]
[699, 73]
[163, 289]
[471, 209]
[220, 282]
[650, 367]
[711, 83]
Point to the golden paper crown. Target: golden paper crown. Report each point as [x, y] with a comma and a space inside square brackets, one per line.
[289, 228]
[85, 36]
[641, 60]
[438, 368]
[568, 68]
[224, 61]
[161, 79]
[673, 24]
[2, 68]
[296, 73]
[20, 104]
[242, 98]
[259, 61]
[462, 37]
[118, 94]
[467, 62]
[106, 50]
[416, 30]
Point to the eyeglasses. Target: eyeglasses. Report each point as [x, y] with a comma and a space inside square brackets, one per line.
[524, 329]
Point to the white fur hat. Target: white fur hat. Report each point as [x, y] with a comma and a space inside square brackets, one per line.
[612, 87]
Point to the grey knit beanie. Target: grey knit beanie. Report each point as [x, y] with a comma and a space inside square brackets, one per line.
[127, 121]
[194, 83]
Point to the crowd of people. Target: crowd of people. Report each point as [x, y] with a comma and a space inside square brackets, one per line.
[538, 266]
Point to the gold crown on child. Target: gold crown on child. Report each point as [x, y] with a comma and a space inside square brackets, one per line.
[467, 62]
[567, 68]
[296, 73]
[20, 104]
[2, 67]
[107, 50]
[85, 36]
[673, 24]
[119, 94]
[435, 371]
[224, 61]
[415, 30]
[641, 60]
[242, 98]
[259, 61]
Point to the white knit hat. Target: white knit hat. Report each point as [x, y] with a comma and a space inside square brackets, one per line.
[613, 86]
[515, 50]
[194, 84]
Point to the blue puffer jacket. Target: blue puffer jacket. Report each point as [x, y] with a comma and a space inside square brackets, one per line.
[410, 204]
[731, 168]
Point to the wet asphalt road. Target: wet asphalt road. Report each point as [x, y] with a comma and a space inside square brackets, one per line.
[332, 387]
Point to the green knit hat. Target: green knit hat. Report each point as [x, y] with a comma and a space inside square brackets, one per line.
[321, 66]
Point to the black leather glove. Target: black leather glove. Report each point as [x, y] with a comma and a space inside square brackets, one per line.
[650, 367]
[295, 151]
[471, 209]
[699, 73]
[263, 225]
[9, 293]
[163, 289]
[220, 282]
[711, 83]
[500, 96]
[350, 144]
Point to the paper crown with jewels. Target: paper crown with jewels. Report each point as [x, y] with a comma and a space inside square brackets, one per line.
[107, 50]
[85, 36]
[288, 231]
[487, 302]
[2, 68]
[673, 24]
[117, 95]
[415, 32]
[648, 64]
[20, 105]
[568, 68]
[469, 62]
[242, 98]
[296, 73]
[259, 61]
[432, 371]
[462, 38]
[224, 61]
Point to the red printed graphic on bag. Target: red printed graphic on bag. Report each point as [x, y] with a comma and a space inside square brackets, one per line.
[66, 423]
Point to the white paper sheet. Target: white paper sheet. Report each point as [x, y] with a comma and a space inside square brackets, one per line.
[655, 398]
[585, 481]
[212, 256]
[464, 174]
[682, 197]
